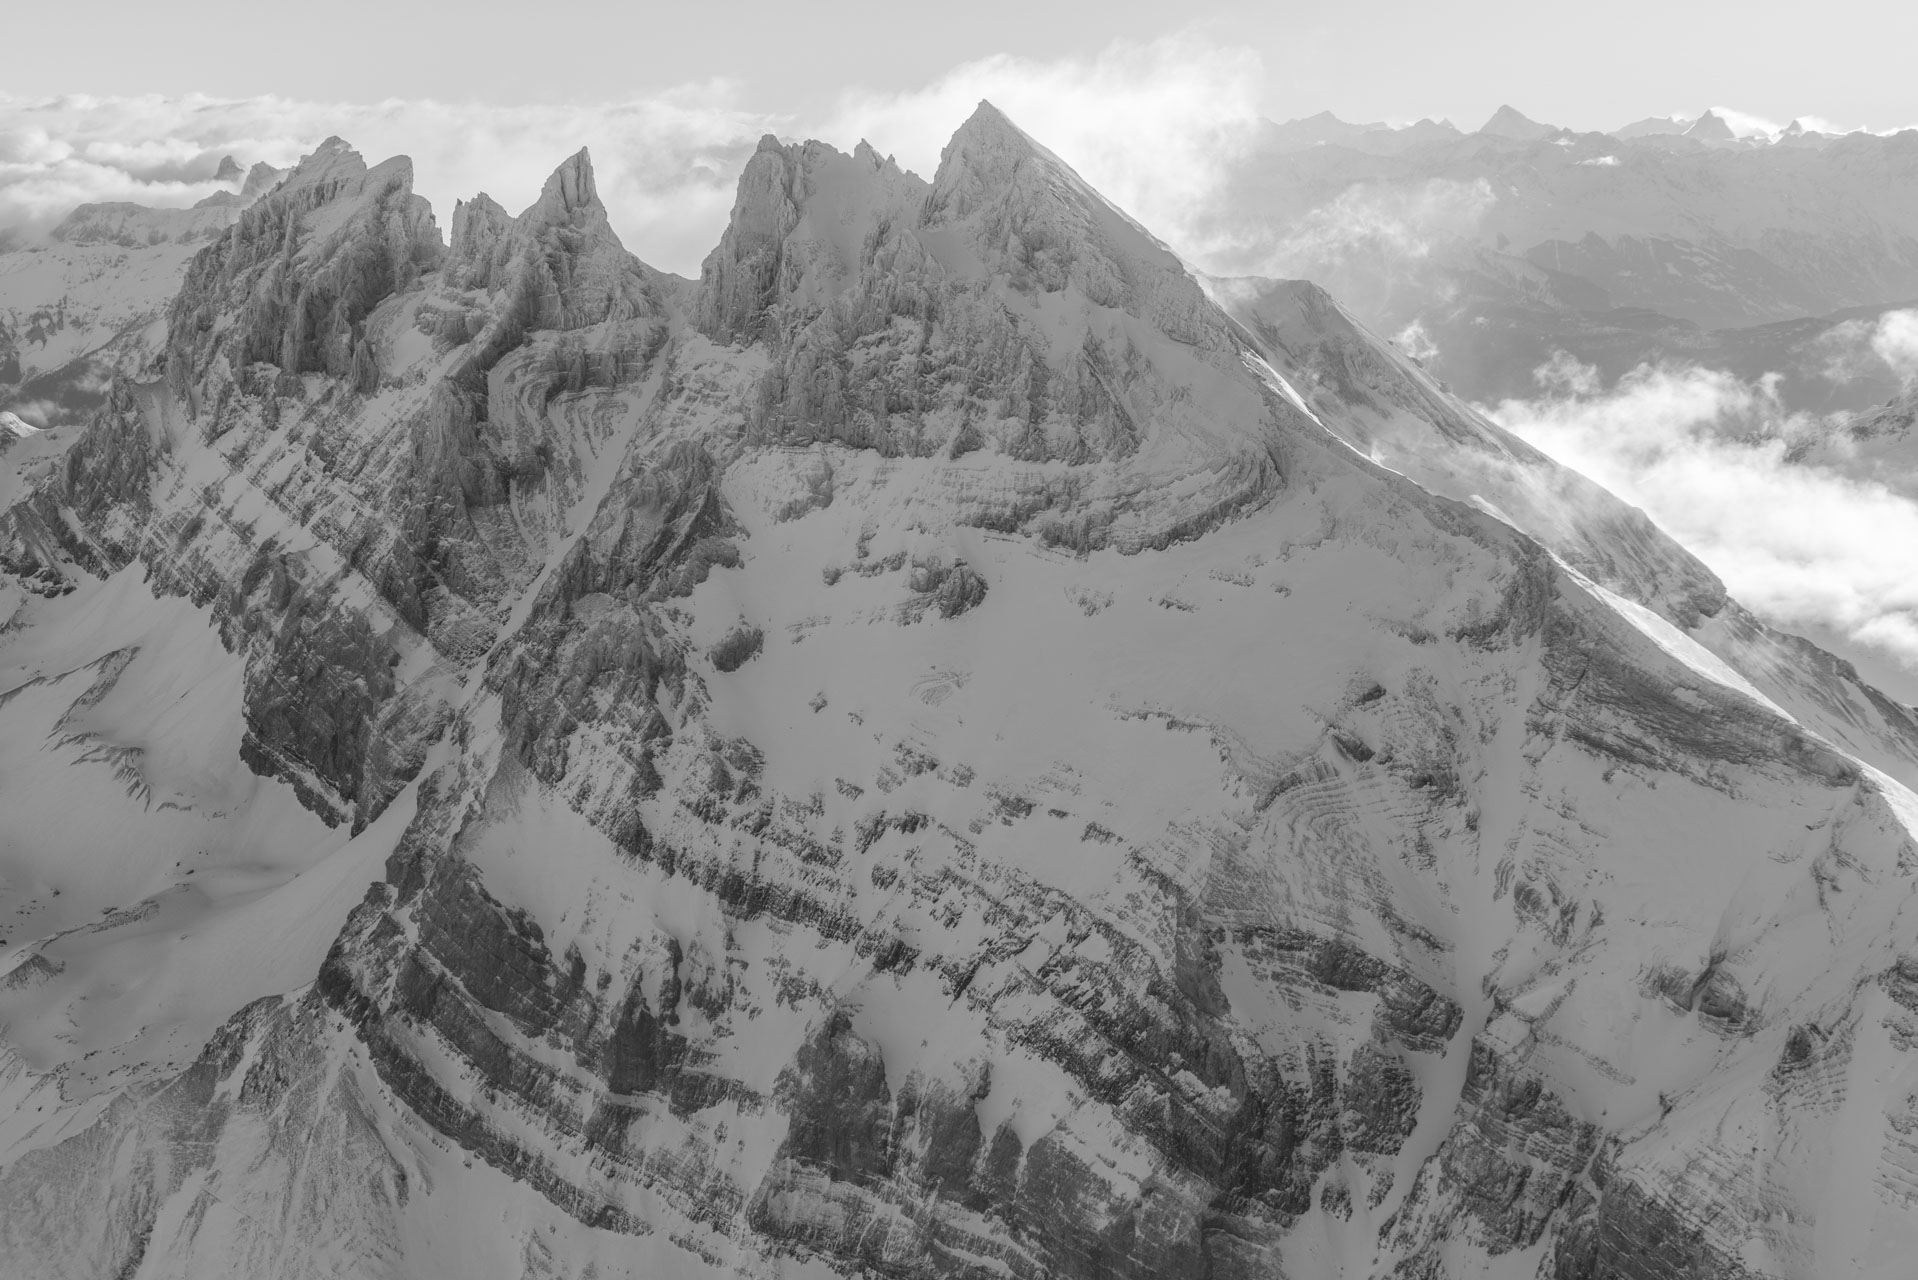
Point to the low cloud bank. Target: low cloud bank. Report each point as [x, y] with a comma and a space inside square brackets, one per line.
[1895, 341]
[1720, 464]
[1152, 125]
[1384, 227]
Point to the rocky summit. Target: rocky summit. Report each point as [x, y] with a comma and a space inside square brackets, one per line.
[950, 746]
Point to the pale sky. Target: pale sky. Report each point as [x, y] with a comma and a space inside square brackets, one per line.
[1585, 66]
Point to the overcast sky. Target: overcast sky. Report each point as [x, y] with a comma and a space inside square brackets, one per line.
[1586, 66]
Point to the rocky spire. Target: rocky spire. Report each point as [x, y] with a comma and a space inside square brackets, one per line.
[570, 194]
[478, 225]
[558, 265]
[738, 281]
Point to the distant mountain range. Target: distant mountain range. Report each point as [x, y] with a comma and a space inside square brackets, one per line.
[83, 302]
[1671, 237]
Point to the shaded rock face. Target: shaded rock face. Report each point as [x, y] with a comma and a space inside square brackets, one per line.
[307, 298]
[938, 751]
[296, 336]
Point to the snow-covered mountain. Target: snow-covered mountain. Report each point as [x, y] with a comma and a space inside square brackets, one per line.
[949, 746]
[1462, 242]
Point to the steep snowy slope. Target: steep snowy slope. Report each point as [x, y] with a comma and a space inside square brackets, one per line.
[937, 750]
[1386, 407]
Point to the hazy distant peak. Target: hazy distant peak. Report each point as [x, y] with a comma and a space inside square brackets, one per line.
[131, 225]
[1312, 131]
[260, 179]
[1711, 127]
[1653, 126]
[1509, 122]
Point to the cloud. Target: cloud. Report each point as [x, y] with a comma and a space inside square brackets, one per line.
[1154, 127]
[1151, 125]
[1359, 241]
[1818, 124]
[1710, 458]
[1856, 349]
[1895, 341]
[1415, 341]
[1744, 124]
[666, 164]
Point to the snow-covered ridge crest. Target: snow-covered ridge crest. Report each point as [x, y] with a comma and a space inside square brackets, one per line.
[939, 749]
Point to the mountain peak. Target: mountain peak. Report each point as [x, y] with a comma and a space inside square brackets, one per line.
[1711, 127]
[1311, 131]
[980, 161]
[569, 192]
[803, 216]
[1509, 122]
[333, 161]
[229, 170]
[986, 115]
[1652, 126]
[260, 179]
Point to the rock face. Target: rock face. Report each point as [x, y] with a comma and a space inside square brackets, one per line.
[946, 748]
